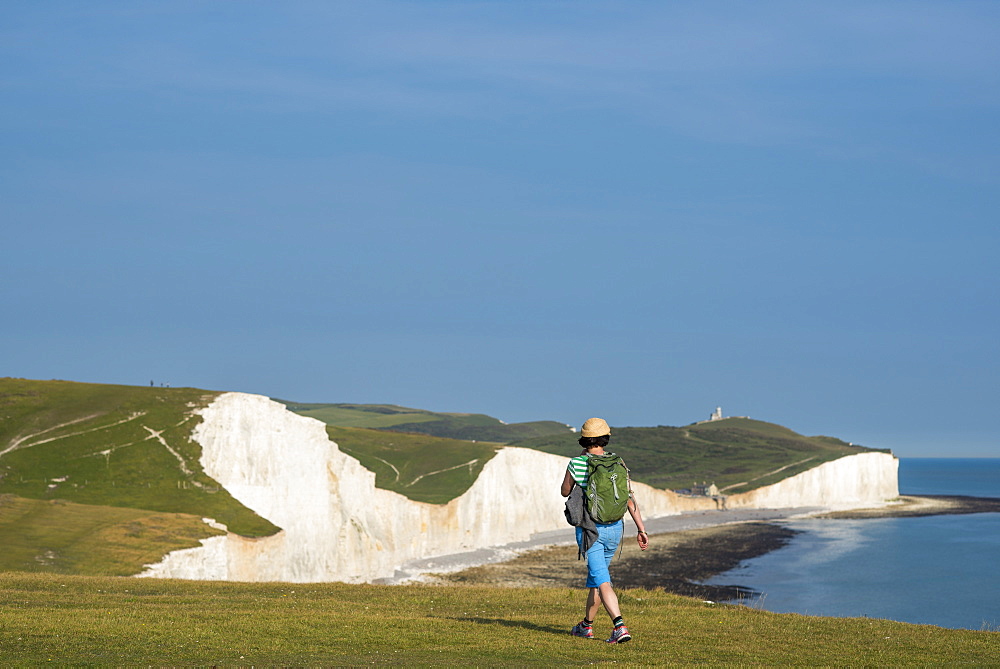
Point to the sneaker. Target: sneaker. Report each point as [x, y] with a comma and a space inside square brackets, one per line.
[580, 629]
[620, 635]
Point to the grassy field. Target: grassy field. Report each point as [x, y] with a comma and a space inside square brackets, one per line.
[374, 416]
[464, 426]
[117, 446]
[116, 621]
[737, 454]
[60, 537]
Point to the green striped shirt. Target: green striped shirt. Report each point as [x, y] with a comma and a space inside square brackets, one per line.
[578, 469]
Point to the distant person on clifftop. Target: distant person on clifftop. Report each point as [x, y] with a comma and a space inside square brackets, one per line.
[600, 549]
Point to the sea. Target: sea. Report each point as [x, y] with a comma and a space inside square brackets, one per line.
[936, 570]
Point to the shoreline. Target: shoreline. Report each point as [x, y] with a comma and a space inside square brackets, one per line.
[922, 505]
[687, 549]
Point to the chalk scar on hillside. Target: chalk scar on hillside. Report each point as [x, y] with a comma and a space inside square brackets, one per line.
[468, 464]
[158, 435]
[390, 464]
[107, 452]
[16, 443]
[757, 478]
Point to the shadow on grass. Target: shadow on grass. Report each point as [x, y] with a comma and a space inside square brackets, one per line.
[523, 624]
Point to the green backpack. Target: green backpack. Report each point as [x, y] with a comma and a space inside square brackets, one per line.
[608, 488]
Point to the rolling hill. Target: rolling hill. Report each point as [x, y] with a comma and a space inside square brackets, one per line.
[464, 426]
[737, 454]
[116, 446]
[422, 467]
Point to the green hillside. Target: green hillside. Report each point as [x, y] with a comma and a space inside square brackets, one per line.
[465, 426]
[737, 454]
[421, 467]
[61, 537]
[113, 446]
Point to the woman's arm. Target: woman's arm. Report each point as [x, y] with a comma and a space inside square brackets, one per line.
[642, 537]
[567, 484]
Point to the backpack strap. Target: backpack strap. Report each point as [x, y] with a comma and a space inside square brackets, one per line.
[631, 496]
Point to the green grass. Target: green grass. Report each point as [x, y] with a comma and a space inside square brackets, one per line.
[736, 453]
[377, 416]
[61, 537]
[421, 467]
[468, 427]
[114, 621]
[484, 428]
[101, 444]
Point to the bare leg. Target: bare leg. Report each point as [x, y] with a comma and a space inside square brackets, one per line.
[607, 595]
[593, 603]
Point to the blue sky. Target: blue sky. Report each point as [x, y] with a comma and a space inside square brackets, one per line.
[544, 210]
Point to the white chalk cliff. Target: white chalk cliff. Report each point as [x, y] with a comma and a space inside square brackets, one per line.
[337, 526]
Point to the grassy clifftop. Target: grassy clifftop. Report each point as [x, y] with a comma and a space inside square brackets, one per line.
[113, 446]
[61, 537]
[737, 454]
[421, 467]
[464, 426]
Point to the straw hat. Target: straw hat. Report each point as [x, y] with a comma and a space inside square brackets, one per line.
[595, 427]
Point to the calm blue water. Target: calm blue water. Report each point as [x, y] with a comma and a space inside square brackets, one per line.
[938, 570]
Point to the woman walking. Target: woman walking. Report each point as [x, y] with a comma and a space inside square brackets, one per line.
[595, 437]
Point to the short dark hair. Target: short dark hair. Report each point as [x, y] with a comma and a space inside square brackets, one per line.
[594, 442]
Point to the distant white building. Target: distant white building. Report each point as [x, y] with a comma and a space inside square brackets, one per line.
[705, 490]
[717, 414]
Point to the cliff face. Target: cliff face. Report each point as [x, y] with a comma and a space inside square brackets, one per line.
[851, 482]
[337, 526]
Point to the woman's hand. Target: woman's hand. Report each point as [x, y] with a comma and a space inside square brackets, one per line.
[643, 540]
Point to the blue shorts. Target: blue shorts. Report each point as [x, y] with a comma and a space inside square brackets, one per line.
[601, 551]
